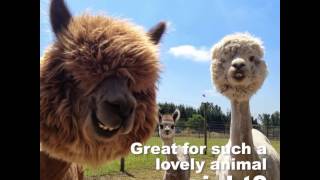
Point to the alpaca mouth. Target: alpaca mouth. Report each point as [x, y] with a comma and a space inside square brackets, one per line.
[102, 129]
[238, 75]
[166, 136]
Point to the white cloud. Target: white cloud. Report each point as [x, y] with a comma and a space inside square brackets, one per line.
[190, 52]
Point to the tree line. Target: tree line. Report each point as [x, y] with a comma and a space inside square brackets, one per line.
[217, 120]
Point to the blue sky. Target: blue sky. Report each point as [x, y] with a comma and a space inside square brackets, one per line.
[194, 26]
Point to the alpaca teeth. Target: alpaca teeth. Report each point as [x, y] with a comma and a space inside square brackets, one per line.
[101, 126]
[105, 127]
[239, 75]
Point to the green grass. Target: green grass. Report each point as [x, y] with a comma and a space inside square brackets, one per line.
[146, 162]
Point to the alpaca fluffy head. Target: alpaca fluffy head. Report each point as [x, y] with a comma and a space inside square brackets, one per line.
[238, 69]
[167, 124]
[97, 87]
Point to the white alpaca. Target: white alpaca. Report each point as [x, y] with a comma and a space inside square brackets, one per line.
[238, 71]
[167, 131]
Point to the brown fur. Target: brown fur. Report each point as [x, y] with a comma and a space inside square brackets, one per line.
[59, 170]
[88, 50]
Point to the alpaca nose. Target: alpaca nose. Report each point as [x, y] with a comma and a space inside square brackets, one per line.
[121, 106]
[167, 131]
[238, 65]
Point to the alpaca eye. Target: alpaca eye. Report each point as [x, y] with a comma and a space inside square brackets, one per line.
[161, 126]
[68, 76]
[172, 126]
[251, 58]
[223, 60]
[128, 83]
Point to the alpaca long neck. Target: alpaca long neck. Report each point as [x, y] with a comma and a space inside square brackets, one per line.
[170, 157]
[241, 124]
[55, 169]
[241, 132]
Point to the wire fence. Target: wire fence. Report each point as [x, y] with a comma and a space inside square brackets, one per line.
[218, 130]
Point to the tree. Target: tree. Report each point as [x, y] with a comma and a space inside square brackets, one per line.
[183, 114]
[189, 111]
[228, 117]
[270, 120]
[264, 119]
[195, 122]
[275, 118]
[255, 123]
[216, 119]
[167, 107]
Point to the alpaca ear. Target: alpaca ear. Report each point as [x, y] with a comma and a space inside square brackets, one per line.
[156, 32]
[59, 16]
[176, 115]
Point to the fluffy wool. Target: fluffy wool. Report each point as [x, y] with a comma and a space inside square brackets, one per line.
[243, 45]
[86, 51]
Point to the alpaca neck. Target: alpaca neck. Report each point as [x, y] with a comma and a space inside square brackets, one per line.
[51, 168]
[241, 126]
[170, 157]
[54, 169]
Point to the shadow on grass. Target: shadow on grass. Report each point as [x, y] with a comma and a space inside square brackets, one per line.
[128, 174]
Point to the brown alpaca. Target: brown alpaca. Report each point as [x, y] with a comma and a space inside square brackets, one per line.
[97, 91]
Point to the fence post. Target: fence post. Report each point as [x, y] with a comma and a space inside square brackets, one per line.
[273, 131]
[122, 164]
[205, 128]
[267, 128]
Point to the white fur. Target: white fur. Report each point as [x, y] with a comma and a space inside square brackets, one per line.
[272, 157]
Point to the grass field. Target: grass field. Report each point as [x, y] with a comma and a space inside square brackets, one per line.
[143, 166]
